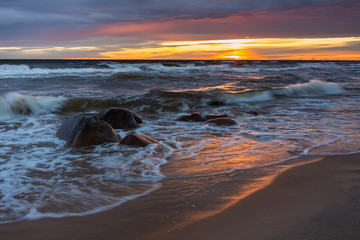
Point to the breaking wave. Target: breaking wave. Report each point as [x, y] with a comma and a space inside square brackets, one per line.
[12, 104]
[313, 88]
[22, 70]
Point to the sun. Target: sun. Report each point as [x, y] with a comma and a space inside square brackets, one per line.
[235, 57]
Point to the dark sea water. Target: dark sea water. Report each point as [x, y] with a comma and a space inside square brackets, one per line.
[305, 108]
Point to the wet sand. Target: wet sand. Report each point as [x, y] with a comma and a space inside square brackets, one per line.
[320, 200]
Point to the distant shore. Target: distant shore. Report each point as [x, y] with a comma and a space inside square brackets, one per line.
[319, 200]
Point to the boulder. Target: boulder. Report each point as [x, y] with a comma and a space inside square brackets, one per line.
[85, 130]
[216, 103]
[213, 116]
[120, 118]
[138, 140]
[223, 121]
[195, 117]
[254, 112]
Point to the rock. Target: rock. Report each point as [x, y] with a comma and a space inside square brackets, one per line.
[254, 112]
[120, 118]
[168, 64]
[195, 117]
[138, 140]
[216, 103]
[85, 130]
[213, 116]
[224, 121]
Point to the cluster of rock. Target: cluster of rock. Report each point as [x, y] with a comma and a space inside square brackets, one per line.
[92, 129]
[218, 119]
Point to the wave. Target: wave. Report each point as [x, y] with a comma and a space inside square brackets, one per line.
[314, 88]
[161, 68]
[251, 96]
[12, 104]
[155, 101]
[34, 214]
[14, 68]
[9, 70]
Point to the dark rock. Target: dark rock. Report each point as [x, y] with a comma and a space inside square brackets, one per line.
[224, 121]
[171, 65]
[216, 103]
[195, 117]
[120, 118]
[138, 140]
[213, 116]
[84, 130]
[254, 112]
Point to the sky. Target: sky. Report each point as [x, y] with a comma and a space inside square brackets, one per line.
[180, 29]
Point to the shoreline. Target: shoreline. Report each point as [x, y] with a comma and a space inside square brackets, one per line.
[318, 200]
[295, 204]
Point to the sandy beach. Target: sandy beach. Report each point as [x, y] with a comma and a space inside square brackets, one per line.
[318, 200]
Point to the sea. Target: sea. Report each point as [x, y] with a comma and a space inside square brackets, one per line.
[284, 110]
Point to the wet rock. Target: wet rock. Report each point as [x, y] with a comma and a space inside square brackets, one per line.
[254, 112]
[216, 103]
[169, 64]
[195, 117]
[138, 140]
[224, 121]
[85, 130]
[120, 118]
[213, 116]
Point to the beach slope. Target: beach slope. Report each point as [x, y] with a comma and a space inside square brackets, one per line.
[320, 200]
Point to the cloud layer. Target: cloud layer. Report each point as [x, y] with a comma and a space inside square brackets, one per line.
[109, 25]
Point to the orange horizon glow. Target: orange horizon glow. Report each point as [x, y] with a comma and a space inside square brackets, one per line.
[245, 49]
[346, 48]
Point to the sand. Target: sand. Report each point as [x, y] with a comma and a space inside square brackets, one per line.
[320, 200]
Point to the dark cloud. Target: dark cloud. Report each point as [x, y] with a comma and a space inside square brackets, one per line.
[82, 11]
[32, 22]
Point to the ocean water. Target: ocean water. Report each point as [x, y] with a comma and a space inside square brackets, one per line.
[304, 108]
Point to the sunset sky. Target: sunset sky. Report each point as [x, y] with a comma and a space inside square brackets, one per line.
[180, 29]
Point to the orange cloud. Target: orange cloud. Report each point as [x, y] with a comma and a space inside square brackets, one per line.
[312, 22]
